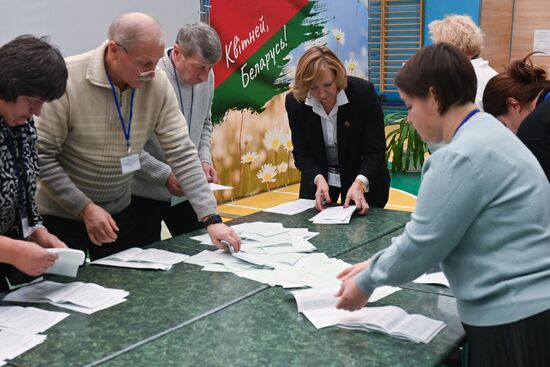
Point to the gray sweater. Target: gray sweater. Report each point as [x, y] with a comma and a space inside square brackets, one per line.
[196, 103]
[483, 210]
[80, 142]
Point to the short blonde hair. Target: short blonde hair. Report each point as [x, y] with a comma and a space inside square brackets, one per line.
[459, 31]
[309, 69]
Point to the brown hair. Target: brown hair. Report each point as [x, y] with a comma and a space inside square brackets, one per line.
[309, 69]
[444, 68]
[522, 81]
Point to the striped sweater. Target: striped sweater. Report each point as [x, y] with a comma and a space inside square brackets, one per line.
[81, 142]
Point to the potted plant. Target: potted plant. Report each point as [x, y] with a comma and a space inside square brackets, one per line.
[404, 144]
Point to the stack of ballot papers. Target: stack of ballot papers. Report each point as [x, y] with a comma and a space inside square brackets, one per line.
[334, 215]
[319, 306]
[292, 207]
[77, 296]
[433, 278]
[68, 261]
[274, 255]
[19, 328]
[142, 259]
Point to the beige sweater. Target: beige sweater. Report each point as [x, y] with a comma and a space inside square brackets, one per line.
[81, 142]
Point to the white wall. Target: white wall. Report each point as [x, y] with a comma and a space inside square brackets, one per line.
[76, 26]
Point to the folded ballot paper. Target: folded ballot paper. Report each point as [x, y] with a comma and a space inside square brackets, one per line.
[319, 306]
[77, 296]
[142, 259]
[334, 215]
[67, 262]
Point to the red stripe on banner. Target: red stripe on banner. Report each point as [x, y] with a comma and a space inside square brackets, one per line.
[244, 26]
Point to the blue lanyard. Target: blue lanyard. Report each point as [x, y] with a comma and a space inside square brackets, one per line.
[176, 77]
[125, 130]
[21, 177]
[546, 96]
[469, 116]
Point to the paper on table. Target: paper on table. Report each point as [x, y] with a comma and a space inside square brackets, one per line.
[315, 298]
[334, 215]
[29, 319]
[292, 207]
[433, 278]
[143, 259]
[13, 343]
[68, 261]
[175, 200]
[82, 297]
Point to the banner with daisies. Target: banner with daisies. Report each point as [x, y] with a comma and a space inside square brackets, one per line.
[261, 43]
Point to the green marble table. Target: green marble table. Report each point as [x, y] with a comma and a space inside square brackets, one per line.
[164, 306]
[159, 301]
[267, 330]
[332, 239]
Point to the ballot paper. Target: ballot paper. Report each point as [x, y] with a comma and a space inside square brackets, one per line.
[67, 262]
[433, 278]
[28, 319]
[292, 207]
[318, 306]
[13, 343]
[142, 259]
[77, 296]
[175, 200]
[334, 215]
[324, 297]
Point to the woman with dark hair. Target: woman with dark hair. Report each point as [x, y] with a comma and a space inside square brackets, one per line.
[338, 136]
[473, 191]
[31, 73]
[520, 99]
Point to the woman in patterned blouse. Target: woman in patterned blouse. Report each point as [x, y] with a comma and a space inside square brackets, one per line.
[31, 73]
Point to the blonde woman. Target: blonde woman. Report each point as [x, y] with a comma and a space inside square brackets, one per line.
[337, 130]
[462, 32]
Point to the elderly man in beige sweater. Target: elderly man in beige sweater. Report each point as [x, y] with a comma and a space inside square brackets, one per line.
[90, 139]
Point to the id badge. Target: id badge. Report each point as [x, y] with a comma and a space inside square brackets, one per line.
[334, 179]
[25, 227]
[130, 163]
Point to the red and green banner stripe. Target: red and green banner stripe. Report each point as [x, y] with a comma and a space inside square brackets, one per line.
[256, 40]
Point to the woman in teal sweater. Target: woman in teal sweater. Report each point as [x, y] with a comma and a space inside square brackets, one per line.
[483, 211]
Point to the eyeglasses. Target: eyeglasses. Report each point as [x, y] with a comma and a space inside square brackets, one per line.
[144, 76]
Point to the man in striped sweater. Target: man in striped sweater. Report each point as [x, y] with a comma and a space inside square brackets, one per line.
[188, 66]
[90, 139]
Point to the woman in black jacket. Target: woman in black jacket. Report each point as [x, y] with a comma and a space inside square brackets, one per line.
[338, 135]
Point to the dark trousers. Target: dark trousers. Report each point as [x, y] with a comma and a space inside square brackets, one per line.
[75, 235]
[148, 214]
[524, 343]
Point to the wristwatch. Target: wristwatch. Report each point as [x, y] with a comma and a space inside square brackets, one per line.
[212, 219]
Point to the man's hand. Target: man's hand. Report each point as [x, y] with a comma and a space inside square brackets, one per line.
[100, 225]
[33, 259]
[173, 185]
[44, 238]
[322, 193]
[351, 297]
[356, 194]
[220, 231]
[210, 172]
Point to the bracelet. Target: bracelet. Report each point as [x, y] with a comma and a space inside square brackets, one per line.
[363, 186]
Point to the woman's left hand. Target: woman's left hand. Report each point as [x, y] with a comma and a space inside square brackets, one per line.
[351, 297]
[355, 193]
[44, 238]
